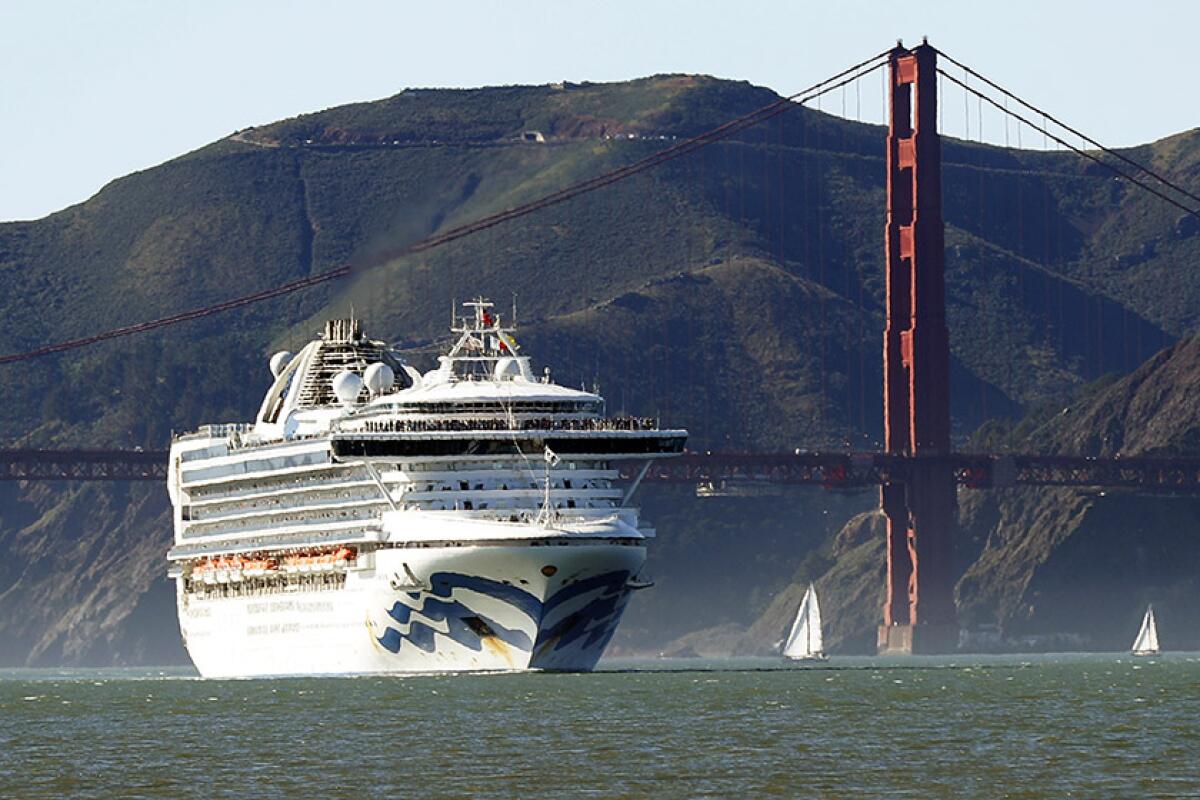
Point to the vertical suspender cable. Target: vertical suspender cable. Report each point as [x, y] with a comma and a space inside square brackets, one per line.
[862, 310]
[822, 322]
[782, 204]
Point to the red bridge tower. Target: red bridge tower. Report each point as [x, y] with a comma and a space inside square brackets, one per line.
[919, 614]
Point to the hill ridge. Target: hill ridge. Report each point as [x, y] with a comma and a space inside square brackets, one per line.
[737, 293]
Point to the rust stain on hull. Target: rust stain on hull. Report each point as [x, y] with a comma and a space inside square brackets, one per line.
[497, 646]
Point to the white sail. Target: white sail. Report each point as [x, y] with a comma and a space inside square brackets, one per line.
[1146, 642]
[804, 641]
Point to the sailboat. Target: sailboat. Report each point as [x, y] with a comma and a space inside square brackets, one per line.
[1146, 643]
[804, 642]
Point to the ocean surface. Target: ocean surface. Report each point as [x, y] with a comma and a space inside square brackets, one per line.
[1092, 726]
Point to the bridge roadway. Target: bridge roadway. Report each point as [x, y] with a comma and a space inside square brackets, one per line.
[832, 470]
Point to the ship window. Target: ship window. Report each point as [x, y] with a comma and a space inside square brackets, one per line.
[468, 505]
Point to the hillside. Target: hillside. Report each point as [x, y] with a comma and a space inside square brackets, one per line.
[1054, 567]
[1089, 562]
[736, 292]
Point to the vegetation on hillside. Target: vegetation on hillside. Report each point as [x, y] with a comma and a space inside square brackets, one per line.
[737, 292]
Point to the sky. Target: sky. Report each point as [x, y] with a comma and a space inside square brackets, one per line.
[94, 90]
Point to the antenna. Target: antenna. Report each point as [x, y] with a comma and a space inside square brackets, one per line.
[513, 322]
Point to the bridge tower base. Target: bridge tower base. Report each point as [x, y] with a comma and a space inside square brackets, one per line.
[917, 640]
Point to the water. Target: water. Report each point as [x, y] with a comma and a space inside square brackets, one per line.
[1031, 726]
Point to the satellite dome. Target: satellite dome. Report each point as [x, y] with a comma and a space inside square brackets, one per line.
[379, 378]
[346, 386]
[279, 361]
[506, 368]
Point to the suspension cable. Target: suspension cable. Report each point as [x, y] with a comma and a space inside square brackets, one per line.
[183, 316]
[1068, 128]
[1078, 150]
[685, 147]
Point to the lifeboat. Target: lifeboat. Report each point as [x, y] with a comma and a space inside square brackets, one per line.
[208, 572]
[236, 566]
[343, 556]
[202, 571]
[325, 562]
[222, 570]
[305, 563]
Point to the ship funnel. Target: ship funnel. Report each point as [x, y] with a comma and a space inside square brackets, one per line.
[343, 330]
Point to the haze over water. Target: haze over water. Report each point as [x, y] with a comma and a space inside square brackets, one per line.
[1027, 726]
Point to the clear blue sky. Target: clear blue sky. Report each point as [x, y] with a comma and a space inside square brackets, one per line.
[95, 89]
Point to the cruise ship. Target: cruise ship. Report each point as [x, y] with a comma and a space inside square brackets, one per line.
[377, 519]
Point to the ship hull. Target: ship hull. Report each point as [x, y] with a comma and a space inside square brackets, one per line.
[484, 607]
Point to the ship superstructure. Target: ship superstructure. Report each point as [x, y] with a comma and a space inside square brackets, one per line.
[378, 519]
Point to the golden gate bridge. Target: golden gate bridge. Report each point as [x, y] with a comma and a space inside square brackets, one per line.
[917, 471]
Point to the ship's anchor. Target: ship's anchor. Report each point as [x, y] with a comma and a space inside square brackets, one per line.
[409, 584]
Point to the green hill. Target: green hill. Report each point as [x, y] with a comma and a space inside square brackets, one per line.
[737, 292]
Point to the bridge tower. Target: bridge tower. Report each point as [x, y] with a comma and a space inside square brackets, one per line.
[919, 614]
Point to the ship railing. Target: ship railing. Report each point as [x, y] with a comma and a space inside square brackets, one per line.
[217, 431]
[288, 519]
[608, 424]
[525, 516]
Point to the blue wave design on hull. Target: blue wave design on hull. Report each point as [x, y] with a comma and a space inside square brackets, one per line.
[442, 584]
[591, 620]
[455, 615]
[561, 644]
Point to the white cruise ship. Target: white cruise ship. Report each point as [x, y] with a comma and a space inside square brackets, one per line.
[374, 519]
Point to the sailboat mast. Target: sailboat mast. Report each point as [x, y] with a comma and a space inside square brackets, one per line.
[808, 627]
[808, 635]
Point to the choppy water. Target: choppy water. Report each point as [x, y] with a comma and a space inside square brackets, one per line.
[1042, 726]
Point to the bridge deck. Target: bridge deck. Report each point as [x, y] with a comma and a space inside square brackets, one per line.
[831, 470]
